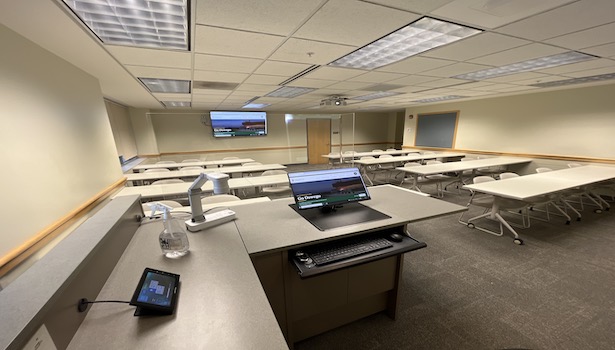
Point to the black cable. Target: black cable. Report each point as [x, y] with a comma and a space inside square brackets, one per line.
[83, 303]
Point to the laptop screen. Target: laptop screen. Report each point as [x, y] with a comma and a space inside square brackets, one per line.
[327, 188]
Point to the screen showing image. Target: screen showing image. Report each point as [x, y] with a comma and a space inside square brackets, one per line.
[228, 124]
[326, 188]
[157, 289]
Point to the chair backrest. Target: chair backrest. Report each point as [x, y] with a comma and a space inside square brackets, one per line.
[429, 162]
[166, 162]
[273, 172]
[408, 165]
[574, 165]
[167, 181]
[508, 175]
[482, 178]
[252, 163]
[157, 170]
[230, 158]
[367, 157]
[543, 170]
[190, 160]
[377, 150]
[391, 149]
[428, 152]
[386, 156]
[191, 168]
[219, 198]
[349, 152]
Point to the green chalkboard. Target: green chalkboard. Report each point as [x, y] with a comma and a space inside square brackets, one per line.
[436, 129]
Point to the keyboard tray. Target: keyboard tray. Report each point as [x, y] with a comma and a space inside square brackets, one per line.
[308, 269]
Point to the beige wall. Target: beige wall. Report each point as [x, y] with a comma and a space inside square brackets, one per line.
[57, 148]
[575, 122]
[121, 126]
[285, 142]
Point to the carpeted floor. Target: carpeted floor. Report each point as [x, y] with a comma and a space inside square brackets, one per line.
[472, 290]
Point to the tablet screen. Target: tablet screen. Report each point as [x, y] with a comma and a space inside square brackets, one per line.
[157, 291]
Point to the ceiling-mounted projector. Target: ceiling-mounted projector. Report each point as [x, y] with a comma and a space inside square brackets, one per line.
[333, 101]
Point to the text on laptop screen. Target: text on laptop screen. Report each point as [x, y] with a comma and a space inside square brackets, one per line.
[322, 188]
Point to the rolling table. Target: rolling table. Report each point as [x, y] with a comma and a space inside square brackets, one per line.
[459, 167]
[176, 174]
[203, 163]
[523, 188]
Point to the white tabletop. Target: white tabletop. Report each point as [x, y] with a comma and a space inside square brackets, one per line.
[460, 166]
[174, 174]
[172, 190]
[408, 158]
[364, 154]
[199, 163]
[525, 187]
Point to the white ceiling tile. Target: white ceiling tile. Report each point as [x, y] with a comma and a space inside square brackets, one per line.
[353, 22]
[161, 73]
[566, 19]
[234, 42]
[607, 50]
[309, 51]
[416, 6]
[544, 79]
[492, 14]
[257, 88]
[287, 69]
[580, 66]
[517, 88]
[264, 79]
[201, 75]
[151, 57]
[312, 83]
[443, 82]
[412, 80]
[591, 72]
[334, 73]
[376, 77]
[211, 92]
[531, 76]
[410, 89]
[350, 85]
[268, 16]
[587, 38]
[518, 54]
[415, 64]
[455, 69]
[475, 46]
[208, 98]
[171, 97]
[226, 63]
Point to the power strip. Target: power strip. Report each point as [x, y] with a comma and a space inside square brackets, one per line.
[213, 219]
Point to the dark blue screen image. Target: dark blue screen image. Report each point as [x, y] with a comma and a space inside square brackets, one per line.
[157, 289]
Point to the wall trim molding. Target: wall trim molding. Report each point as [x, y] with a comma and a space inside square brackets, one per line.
[527, 155]
[43, 237]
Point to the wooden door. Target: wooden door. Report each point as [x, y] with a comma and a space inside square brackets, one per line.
[318, 140]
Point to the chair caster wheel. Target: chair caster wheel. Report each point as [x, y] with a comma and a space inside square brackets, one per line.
[598, 211]
[471, 225]
[579, 219]
[518, 241]
[568, 222]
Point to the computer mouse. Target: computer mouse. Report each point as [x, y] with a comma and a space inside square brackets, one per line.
[396, 237]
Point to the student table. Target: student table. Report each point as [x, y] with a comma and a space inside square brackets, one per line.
[523, 188]
[176, 174]
[203, 163]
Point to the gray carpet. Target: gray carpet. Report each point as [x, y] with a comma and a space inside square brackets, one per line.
[472, 290]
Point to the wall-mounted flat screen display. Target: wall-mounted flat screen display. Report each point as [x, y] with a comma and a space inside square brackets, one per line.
[229, 124]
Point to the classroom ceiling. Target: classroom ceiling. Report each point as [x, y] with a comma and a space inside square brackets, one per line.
[242, 50]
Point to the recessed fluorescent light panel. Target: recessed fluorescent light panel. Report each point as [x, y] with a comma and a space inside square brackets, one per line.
[176, 104]
[289, 91]
[529, 65]
[167, 85]
[256, 105]
[376, 95]
[143, 23]
[438, 99]
[581, 80]
[425, 34]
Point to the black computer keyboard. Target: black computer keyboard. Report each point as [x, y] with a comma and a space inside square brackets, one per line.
[349, 248]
